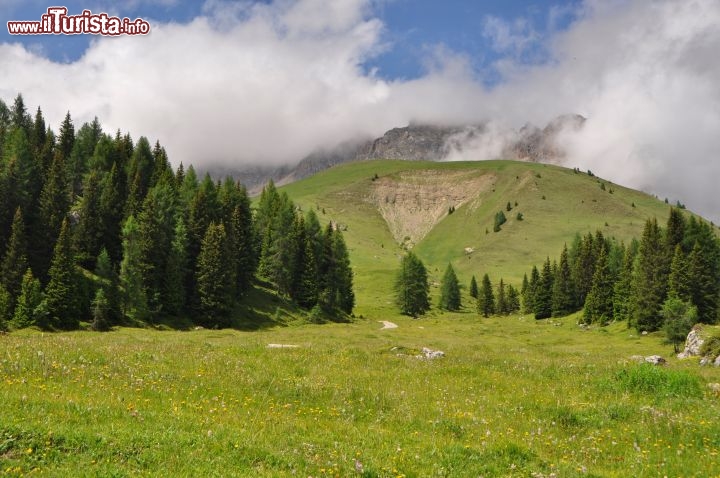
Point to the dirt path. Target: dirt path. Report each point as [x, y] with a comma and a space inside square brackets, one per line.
[387, 325]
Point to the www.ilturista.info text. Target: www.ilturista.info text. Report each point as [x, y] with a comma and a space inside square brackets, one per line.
[57, 22]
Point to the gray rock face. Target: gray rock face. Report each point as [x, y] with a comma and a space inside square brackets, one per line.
[693, 343]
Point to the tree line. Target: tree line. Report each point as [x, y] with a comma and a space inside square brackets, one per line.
[98, 228]
[669, 279]
[671, 274]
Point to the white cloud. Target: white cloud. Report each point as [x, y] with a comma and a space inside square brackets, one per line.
[271, 82]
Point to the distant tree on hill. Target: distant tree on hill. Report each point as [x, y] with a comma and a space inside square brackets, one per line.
[411, 286]
[501, 303]
[450, 290]
[500, 219]
[486, 298]
[513, 299]
[473, 288]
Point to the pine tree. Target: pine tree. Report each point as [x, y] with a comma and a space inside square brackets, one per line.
[112, 206]
[563, 295]
[675, 232]
[450, 290]
[28, 301]
[623, 291]
[679, 285]
[61, 292]
[513, 299]
[305, 275]
[701, 268]
[411, 286]
[88, 233]
[134, 300]
[543, 294]
[100, 314]
[343, 274]
[474, 287]
[678, 318]
[501, 306]
[598, 304]
[15, 263]
[651, 279]
[486, 298]
[584, 267]
[213, 278]
[54, 206]
[66, 140]
[528, 297]
[110, 283]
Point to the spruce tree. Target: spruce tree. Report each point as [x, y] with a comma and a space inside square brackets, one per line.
[501, 306]
[486, 298]
[704, 282]
[584, 267]
[675, 232]
[598, 304]
[214, 274]
[474, 287]
[110, 283]
[528, 298]
[563, 296]
[61, 294]
[112, 206]
[100, 312]
[513, 299]
[15, 263]
[134, 299]
[651, 279]
[678, 319]
[54, 206]
[679, 285]
[411, 286]
[450, 290]
[543, 294]
[343, 274]
[28, 302]
[88, 233]
[623, 290]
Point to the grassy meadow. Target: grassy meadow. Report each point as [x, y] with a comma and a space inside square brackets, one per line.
[512, 397]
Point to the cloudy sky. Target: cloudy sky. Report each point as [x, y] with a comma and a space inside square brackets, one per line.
[269, 82]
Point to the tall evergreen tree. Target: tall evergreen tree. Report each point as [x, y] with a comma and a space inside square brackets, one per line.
[513, 299]
[66, 140]
[584, 267]
[177, 271]
[213, 278]
[135, 303]
[15, 263]
[112, 206]
[701, 268]
[342, 274]
[110, 284]
[486, 298]
[528, 297]
[651, 279]
[27, 303]
[679, 285]
[474, 287]
[543, 294]
[88, 233]
[599, 302]
[61, 293]
[502, 306]
[411, 286]
[54, 206]
[675, 232]
[563, 294]
[623, 290]
[450, 290]
[304, 288]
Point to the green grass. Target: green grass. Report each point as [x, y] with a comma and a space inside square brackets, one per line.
[512, 397]
[574, 202]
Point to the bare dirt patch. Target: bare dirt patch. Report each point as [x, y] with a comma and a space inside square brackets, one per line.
[413, 202]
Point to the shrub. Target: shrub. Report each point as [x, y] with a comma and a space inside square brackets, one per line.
[500, 219]
[711, 347]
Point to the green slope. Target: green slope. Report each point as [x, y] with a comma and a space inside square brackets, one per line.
[556, 203]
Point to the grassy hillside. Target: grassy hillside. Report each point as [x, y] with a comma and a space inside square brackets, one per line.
[512, 397]
[556, 203]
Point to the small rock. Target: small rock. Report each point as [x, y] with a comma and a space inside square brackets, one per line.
[430, 354]
[714, 387]
[637, 358]
[655, 360]
[705, 361]
[644, 332]
[717, 361]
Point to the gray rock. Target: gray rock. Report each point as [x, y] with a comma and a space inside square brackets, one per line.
[693, 343]
[717, 361]
[655, 360]
[430, 354]
[637, 358]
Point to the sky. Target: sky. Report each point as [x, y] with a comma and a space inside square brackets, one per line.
[250, 82]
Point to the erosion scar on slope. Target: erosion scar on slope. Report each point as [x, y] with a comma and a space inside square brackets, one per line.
[413, 202]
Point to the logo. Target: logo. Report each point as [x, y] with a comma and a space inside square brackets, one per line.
[57, 22]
